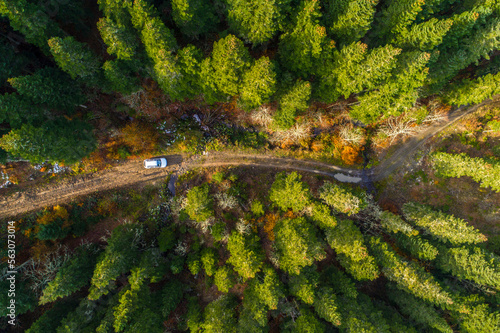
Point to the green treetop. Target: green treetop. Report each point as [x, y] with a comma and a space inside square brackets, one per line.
[259, 83]
[199, 203]
[120, 39]
[473, 91]
[444, 227]
[194, 17]
[322, 216]
[246, 254]
[394, 223]
[219, 315]
[297, 244]
[327, 305]
[424, 36]
[288, 191]
[409, 276]
[51, 87]
[293, 101]
[254, 21]
[396, 16]
[57, 140]
[303, 48]
[341, 199]
[116, 10]
[305, 285]
[349, 20]
[76, 59]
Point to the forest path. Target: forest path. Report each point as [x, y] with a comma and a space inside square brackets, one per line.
[130, 173]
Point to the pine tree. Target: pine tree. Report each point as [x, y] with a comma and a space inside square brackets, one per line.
[224, 279]
[259, 83]
[322, 216]
[209, 260]
[51, 319]
[471, 263]
[347, 240]
[327, 306]
[416, 246]
[293, 101]
[118, 258]
[72, 275]
[117, 74]
[222, 74]
[304, 285]
[51, 87]
[76, 59]
[419, 312]
[446, 228]
[255, 22]
[302, 48]
[246, 254]
[341, 283]
[352, 70]
[341, 199]
[19, 111]
[12, 63]
[307, 322]
[57, 140]
[297, 245]
[349, 20]
[116, 10]
[194, 17]
[394, 223]
[199, 204]
[219, 315]
[423, 36]
[396, 95]
[396, 16]
[408, 276]
[473, 91]
[288, 191]
[121, 41]
[172, 295]
[31, 21]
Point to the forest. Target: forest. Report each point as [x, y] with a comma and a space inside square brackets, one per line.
[242, 251]
[88, 85]
[65, 62]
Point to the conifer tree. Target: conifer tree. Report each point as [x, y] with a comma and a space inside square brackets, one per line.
[297, 245]
[172, 295]
[302, 48]
[219, 315]
[396, 16]
[327, 305]
[254, 21]
[12, 63]
[224, 279]
[119, 78]
[341, 199]
[341, 283]
[194, 17]
[51, 87]
[293, 101]
[322, 216]
[416, 246]
[349, 20]
[418, 311]
[31, 21]
[423, 36]
[121, 41]
[116, 10]
[352, 70]
[288, 191]
[188, 61]
[246, 254]
[396, 95]
[209, 260]
[349, 244]
[471, 263]
[76, 59]
[199, 204]
[222, 74]
[259, 83]
[394, 223]
[444, 227]
[72, 275]
[408, 276]
[57, 140]
[118, 258]
[307, 322]
[51, 319]
[473, 91]
[304, 285]
[18, 111]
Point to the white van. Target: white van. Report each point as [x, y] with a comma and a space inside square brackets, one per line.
[159, 162]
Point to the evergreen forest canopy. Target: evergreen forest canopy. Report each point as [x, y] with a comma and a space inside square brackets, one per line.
[210, 259]
[382, 55]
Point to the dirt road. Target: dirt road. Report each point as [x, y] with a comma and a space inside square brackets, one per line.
[132, 172]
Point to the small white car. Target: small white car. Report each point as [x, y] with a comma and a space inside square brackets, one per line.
[159, 162]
